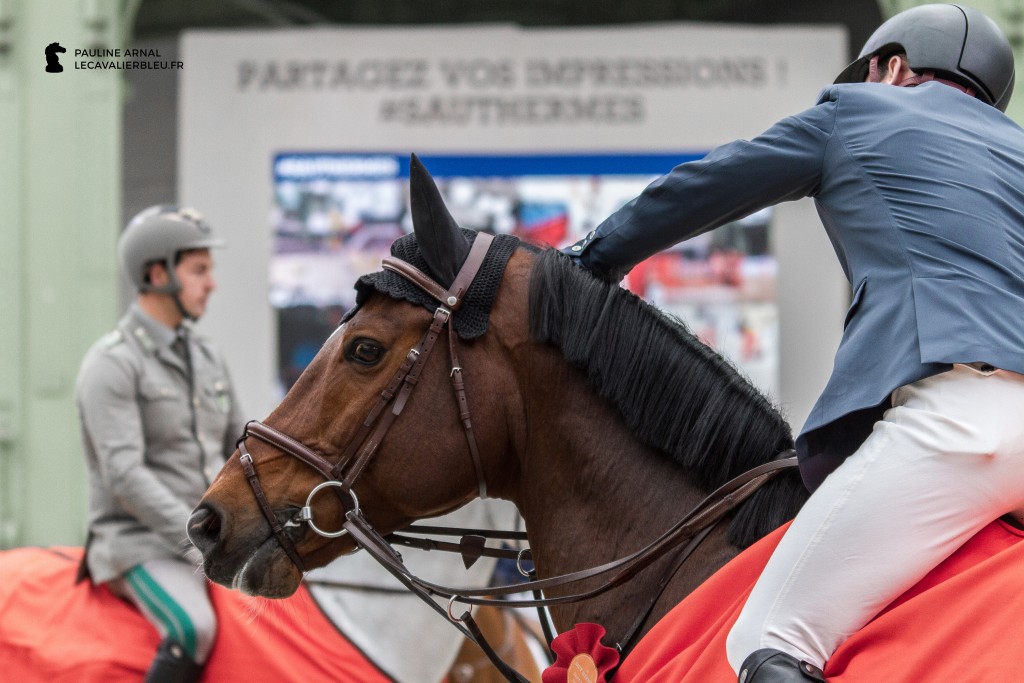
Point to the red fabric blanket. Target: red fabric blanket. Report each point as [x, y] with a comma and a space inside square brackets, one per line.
[963, 622]
[53, 631]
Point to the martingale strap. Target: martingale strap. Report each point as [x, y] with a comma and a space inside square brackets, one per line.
[708, 512]
[693, 528]
[373, 543]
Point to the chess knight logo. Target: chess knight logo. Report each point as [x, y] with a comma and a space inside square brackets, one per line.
[53, 64]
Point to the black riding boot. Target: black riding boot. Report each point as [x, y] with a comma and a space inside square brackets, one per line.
[173, 665]
[774, 666]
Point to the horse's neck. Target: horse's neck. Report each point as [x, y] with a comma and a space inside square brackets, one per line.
[591, 492]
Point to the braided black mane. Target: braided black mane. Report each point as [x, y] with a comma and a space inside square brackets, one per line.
[677, 395]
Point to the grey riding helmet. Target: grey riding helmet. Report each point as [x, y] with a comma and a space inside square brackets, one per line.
[157, 235]
[957, 43]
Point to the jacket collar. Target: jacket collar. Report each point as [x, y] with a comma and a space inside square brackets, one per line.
[152, 336]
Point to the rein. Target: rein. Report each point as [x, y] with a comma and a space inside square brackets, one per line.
[686, 534]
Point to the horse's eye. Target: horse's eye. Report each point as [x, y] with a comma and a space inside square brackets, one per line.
[364, 351]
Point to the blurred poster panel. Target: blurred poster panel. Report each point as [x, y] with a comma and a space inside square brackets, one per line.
[335, 216]
[295, 144]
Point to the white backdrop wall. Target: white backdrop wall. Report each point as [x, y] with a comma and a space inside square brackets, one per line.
[248, 96]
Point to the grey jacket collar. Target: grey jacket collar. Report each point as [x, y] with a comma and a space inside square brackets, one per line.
[152, 336]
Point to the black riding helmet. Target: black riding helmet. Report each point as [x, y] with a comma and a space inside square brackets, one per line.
[957, 43]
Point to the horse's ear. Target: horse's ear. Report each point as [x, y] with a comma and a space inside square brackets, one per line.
[439, 237]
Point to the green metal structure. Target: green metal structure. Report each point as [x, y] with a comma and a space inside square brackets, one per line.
[60, 184]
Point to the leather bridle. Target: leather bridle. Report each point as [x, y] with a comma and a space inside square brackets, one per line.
[684, 536]
[375, 426]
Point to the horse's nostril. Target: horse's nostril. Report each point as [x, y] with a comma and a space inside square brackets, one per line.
[204, 528]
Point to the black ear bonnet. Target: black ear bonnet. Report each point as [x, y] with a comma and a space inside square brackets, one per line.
[470, 321]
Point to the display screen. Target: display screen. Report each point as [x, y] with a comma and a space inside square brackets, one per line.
[336, 214]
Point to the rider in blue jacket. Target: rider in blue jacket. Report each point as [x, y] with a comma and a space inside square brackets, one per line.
[918, 178]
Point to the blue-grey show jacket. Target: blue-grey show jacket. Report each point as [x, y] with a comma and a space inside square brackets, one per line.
[921, 191]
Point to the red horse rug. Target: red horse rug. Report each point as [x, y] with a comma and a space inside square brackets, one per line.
[53, 631]
[962, 623]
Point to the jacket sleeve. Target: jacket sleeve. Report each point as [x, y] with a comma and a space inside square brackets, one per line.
[732, 181]
[109, 408]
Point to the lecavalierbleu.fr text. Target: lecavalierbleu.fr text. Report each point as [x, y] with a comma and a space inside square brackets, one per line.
[123, 58]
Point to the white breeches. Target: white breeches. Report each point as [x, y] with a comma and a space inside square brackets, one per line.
[944, 461]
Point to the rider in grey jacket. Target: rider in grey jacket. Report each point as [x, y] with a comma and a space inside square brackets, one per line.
[158, 419]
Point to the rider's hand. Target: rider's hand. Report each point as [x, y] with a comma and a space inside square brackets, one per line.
[577, 253]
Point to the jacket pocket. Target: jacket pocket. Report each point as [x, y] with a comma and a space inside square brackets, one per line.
[858, 294]
[151, 390]
[218, 393]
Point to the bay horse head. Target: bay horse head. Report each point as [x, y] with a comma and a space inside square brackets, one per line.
[334, 408]
[477, 366]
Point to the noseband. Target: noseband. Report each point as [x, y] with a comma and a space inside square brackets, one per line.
[342, 475]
